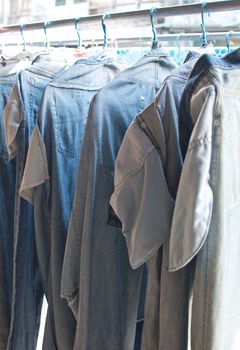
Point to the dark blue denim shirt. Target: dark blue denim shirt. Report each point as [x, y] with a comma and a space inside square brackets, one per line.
[8, 72]
[97, 279]
[49, 180]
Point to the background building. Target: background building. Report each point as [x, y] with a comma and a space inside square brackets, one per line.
[24, 11]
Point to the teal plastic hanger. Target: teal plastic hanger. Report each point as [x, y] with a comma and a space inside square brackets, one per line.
[155, 42]
[204, 33]
[23, 38]
[105, 29]
[78, 31]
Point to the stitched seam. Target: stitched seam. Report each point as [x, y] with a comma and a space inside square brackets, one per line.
[215, 158]
[140, 81]
[134, 171]
[153, 250]
[199, 142]
[195, 251]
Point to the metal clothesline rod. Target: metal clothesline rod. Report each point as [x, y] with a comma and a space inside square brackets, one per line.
[167, 11]
[193, 36]
[146, 39]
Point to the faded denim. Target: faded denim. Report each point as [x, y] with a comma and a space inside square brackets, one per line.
[20, 118]
[97, 278]
[8, 72]
[205, 230]
[148, 169]
[49, 180]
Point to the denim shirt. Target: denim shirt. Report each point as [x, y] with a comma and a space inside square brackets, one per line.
[49, 180]
[205, 228]
[97, 279]
[181, 254]
[147, 173]
[8, 72]
[19, 120]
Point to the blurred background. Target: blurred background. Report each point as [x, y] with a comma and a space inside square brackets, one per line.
[25, 11]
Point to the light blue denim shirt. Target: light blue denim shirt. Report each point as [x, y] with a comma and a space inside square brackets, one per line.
[19, 120]
[49, 179]
[205, 229]
[97, 279]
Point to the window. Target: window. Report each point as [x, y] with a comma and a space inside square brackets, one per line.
[60, 2]
[68, 2]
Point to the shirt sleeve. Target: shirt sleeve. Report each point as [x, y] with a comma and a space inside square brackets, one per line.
[193, 209]
[36, 168]
[141, 198]
[12, 118]
[80, 220]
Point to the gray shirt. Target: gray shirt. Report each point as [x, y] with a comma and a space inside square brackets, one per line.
[148, 169]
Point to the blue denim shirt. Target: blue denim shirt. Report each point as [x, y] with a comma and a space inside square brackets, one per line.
[97, 279]
[19, 120]
[49, 179]
[182, 254]
[8, 72]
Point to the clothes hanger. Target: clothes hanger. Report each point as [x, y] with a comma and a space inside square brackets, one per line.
[24, 55]
[155, 42]
[23, 38]
[228, 40]
[106, 52]
[204, 33]
[46, 43]
[105, 30]
[205, 46]
[179, 61]
[78, 32]
[80, 51]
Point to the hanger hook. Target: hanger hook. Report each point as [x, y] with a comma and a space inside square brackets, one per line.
[155, 38]
[228, 40]
[104, 29]
[24, 41]
[204, 34]
[78, 31]
[179, 48]
[46, 44]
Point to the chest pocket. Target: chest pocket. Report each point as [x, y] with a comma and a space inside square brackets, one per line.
[69, 116]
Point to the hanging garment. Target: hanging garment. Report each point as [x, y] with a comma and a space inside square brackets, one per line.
[148, 168]
[205, 229]
[97, 278]
[49, 180]
[20, 118]
[8, 71]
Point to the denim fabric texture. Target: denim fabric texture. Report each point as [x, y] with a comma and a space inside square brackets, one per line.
[8, 72]
[147, 173]
[19, 120]
[205, 229]
[97, 278]
[49, 180]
